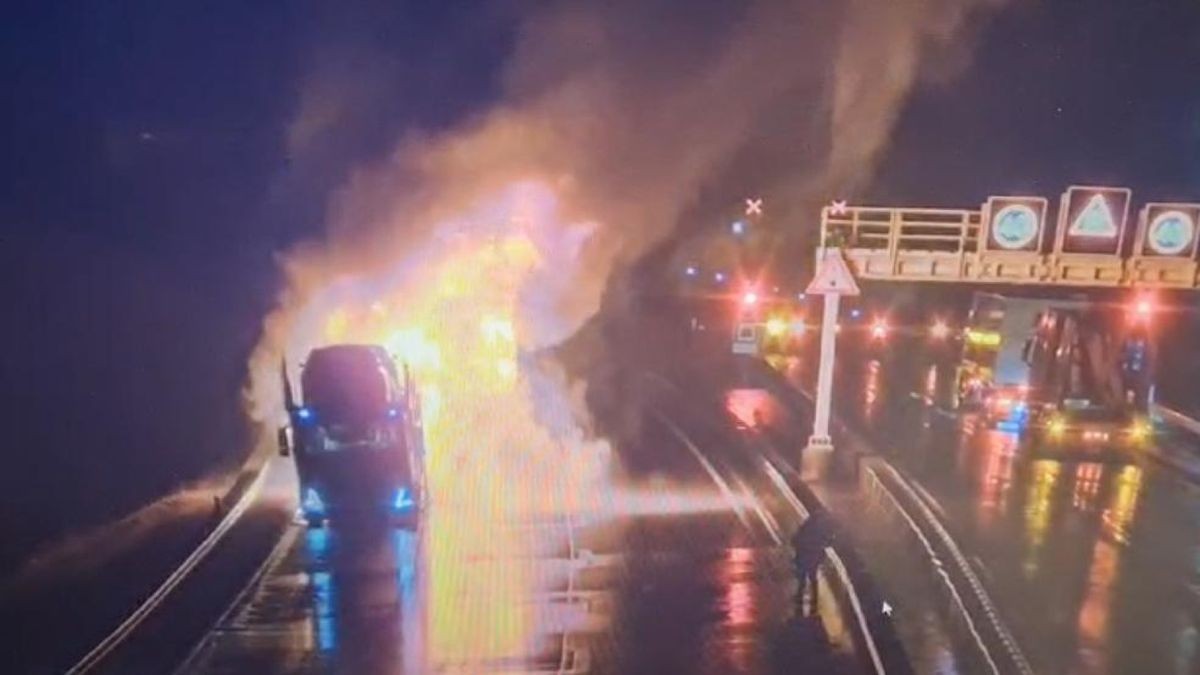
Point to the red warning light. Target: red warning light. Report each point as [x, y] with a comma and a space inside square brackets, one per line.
[879, 329]
[1142, 311]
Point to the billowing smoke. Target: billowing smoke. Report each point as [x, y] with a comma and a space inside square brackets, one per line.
[615, 118]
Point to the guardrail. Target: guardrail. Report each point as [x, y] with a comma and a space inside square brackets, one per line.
[943, 545]
[872, 631]
[874, 637]
[940, 544]
[122, 632]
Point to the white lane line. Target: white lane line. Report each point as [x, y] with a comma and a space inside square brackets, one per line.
[844, 577]
[768, 521]
[1176, 418]
[930, 500]
[781, 483]
[1010, 642]
[135, 619]
[267, 568]
[838, 566]
[980, 593]
[937, 564]
[708, 467]
[563, 660]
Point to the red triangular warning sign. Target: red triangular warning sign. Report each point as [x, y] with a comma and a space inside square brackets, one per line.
[833, 276]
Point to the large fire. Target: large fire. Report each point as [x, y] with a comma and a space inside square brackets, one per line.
[504, 445]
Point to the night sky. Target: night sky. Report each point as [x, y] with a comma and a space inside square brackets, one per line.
[152, 170]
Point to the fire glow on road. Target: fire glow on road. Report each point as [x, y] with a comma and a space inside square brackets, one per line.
[491, 463]
[509, 464]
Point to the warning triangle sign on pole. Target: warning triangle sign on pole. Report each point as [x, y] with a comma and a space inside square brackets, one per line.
[833, 275]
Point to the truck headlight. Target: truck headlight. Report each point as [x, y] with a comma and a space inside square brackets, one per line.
[1057, 426]
[1140, 430]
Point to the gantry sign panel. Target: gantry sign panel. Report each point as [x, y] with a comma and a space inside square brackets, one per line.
[1013, 225]
[1091, 220]
[1089, 240]
[1168, 230]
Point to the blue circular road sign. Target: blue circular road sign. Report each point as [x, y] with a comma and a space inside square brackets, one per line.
[1171, 233]
[1015, 227]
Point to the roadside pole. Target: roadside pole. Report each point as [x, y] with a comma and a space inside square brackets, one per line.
[832, 280]
[820, 435]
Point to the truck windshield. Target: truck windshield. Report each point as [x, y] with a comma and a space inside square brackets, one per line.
[346, 385]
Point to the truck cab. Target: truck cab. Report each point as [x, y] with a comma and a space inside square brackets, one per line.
[994, 373]
[356, 436]
[1091, 379]
[1075, 372]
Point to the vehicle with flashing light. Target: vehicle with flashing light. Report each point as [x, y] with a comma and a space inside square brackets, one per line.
[1080, 427]
[1091, 378]
[783, 332]
[356, 436]
[1070, 370]
[993, 374]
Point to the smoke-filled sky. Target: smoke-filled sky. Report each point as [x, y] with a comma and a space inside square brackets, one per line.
[165, 161]
[624, 112]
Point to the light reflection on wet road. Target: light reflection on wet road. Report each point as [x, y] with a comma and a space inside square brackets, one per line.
[1093, 564]
[665, 578]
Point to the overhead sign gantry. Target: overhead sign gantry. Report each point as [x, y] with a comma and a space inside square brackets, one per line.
[1092, 241]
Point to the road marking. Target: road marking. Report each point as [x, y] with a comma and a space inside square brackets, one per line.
[930, 500]
[564, 662]
[135, 619]
[708, 467]
[836, 561]
[240, 601]
[768, 521]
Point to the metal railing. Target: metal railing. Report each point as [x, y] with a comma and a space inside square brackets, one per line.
[926, 244]
[984, 618]
[122, 632]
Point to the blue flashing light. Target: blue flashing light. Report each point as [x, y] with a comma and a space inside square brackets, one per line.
[393, 413]
[306, 414]
[403, 500]
[855, 313]
[1018, 418]
[738, 227]
[313, 504]
[690, 271]
[719, 277]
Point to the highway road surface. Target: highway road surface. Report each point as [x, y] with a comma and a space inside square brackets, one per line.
[675, 562]
[1092, 561]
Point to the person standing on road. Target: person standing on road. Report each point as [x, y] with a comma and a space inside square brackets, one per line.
[808, 549]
